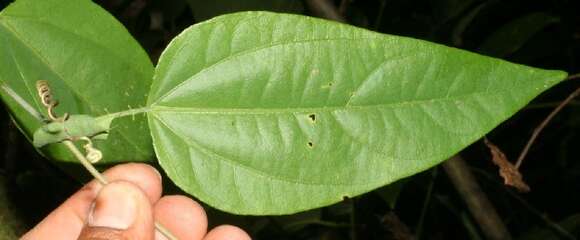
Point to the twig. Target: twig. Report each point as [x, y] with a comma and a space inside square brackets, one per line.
[540, 127]
[379, 19]
[573, 76]
[353, 227]
[482, 210]
[572, 103]
[554, 226]
[325, 9]
[426, 203]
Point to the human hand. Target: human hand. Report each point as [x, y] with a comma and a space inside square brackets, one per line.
[127, 208]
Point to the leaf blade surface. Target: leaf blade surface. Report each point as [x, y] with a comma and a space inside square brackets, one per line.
[262, 113]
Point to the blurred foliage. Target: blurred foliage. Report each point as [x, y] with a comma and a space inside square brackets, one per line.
[12, 225]
[203, 10]
[540, 33]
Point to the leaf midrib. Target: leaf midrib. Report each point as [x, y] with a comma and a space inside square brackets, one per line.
[256, 111]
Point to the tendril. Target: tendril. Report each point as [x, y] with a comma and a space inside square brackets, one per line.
[93, 155]
[47, 101]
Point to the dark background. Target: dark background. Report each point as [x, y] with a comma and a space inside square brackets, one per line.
[543, 34]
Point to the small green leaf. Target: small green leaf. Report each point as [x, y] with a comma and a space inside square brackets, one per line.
[263, 113]
[91, 62]
[512, 36]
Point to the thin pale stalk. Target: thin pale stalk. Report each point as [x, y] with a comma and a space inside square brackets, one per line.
[542, 125]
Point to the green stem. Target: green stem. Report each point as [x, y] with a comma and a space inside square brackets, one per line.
[85, 162]
[32, 110]
[129, 112]
[20, 101]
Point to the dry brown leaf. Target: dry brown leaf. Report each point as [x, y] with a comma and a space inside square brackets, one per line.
[510, 174]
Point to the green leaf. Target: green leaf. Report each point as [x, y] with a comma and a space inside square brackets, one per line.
[263, 113]
[203, 10]
[512, 36]
[92, 63]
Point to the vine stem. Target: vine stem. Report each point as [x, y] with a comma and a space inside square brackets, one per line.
[542, 125]
[573, 76]
[85, 162]
[103, 181]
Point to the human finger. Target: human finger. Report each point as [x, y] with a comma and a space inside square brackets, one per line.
[74, 211]
[182, 216]
[120, 211]
[227, 232]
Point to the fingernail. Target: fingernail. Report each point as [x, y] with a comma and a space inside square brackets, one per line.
[115, 207]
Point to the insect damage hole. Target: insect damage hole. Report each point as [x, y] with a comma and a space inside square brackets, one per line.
[312, 117]
[310, 144]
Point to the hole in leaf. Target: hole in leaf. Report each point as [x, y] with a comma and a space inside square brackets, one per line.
[312, 117]
[310, 144]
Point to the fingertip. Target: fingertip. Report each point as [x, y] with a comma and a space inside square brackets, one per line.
[182, 216]
[122, 211]
[142, 175]
[120, 205]
[74, 211]
[227, 232]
